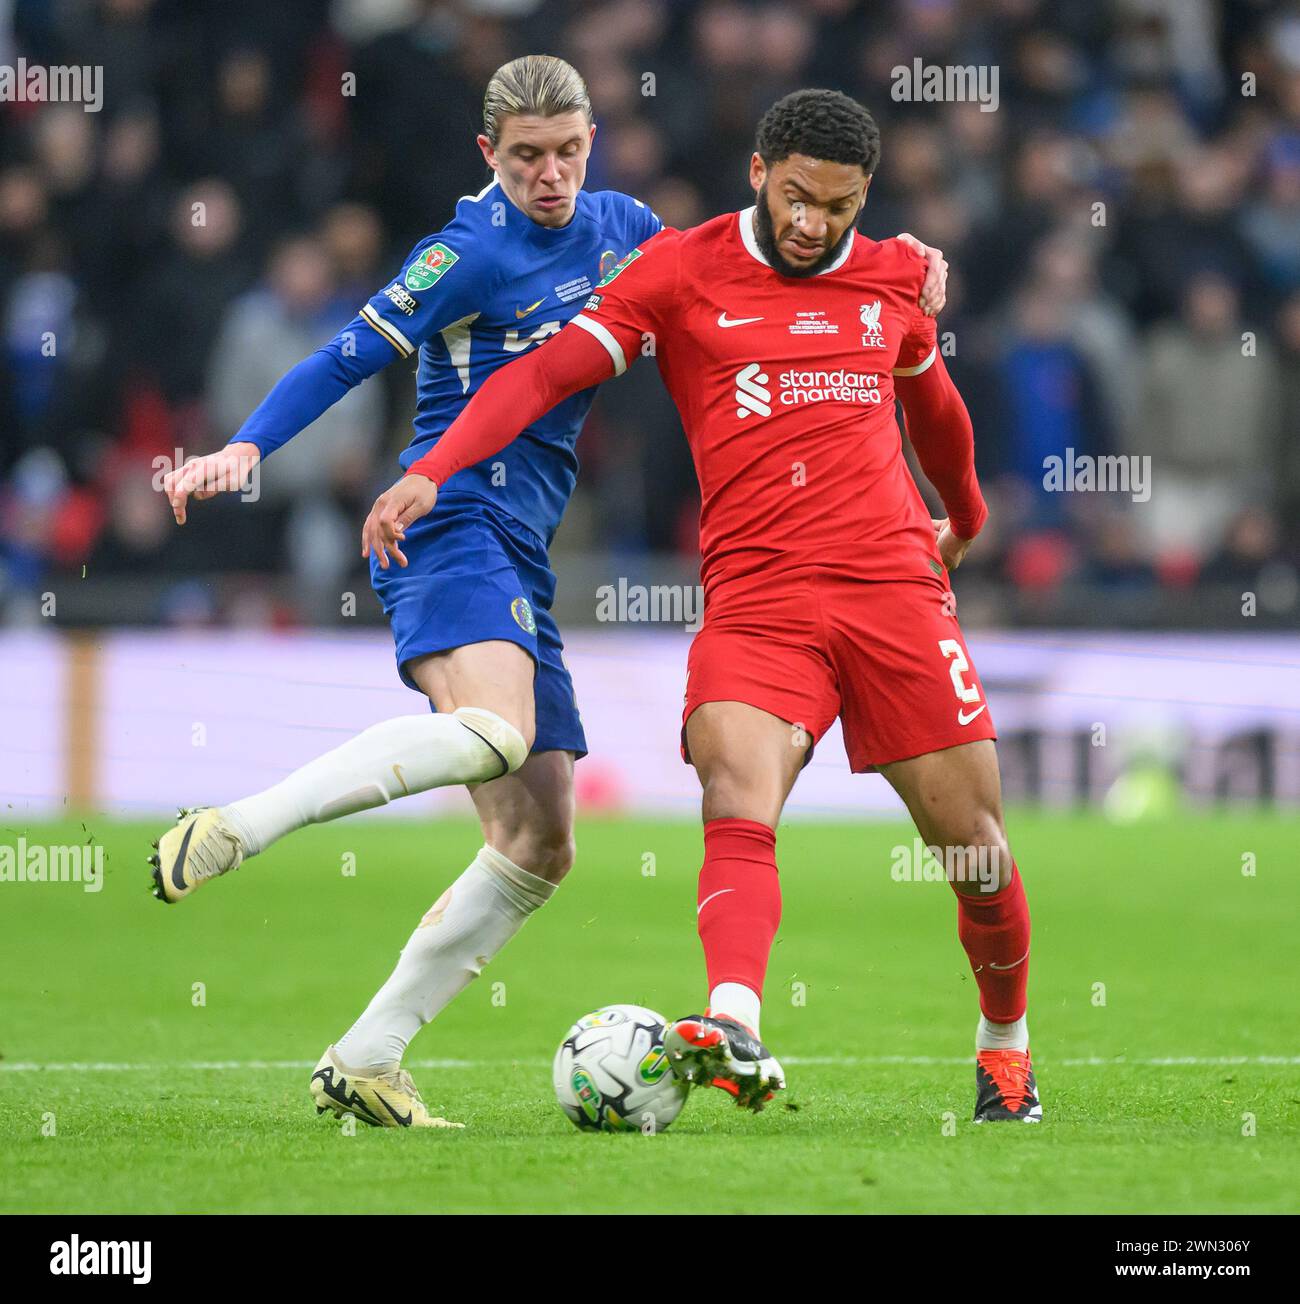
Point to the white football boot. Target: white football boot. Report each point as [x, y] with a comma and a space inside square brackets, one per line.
[382, 1099]
[200, 846]
[717, 1051]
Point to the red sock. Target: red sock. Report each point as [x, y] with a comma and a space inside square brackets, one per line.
[739, 901]
[994, 929]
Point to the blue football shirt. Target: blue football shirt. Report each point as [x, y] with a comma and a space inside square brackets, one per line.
[484, 290]
[488, 287]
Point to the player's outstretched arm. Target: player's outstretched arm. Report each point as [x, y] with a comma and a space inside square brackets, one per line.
[940, 430]
[512, 398]
[301, 395]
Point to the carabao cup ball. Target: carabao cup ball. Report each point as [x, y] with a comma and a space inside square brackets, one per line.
[611, 1073]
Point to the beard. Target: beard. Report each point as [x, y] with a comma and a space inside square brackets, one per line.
[765, 235]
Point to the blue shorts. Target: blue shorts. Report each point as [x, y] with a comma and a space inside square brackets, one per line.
[474, 574]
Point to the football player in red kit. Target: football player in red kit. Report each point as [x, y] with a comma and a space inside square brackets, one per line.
[784, 337]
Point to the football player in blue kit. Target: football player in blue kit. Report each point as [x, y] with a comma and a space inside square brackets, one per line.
[469, 599]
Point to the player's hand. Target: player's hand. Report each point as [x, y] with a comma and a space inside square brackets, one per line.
[951, 548]
[410, 498]
[934, 292]
[225, 471]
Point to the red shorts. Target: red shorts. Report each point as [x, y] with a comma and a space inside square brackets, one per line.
[886, 656]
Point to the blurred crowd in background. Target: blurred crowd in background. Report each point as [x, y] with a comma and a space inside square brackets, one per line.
[1124, 235]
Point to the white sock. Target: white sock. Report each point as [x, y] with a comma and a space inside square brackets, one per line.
[392, 759]
[737, 1000]
[1002, 1036]
[472, 920]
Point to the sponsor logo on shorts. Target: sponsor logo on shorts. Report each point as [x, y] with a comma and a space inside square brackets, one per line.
[964, 719]
[430, 266]
[523, 615]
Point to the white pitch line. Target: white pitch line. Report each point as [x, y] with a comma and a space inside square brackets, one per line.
[846, 1061]
[225, 1066]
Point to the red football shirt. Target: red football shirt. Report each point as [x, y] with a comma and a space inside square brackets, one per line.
[786, 392]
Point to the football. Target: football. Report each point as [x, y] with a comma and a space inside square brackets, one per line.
[611, 1073]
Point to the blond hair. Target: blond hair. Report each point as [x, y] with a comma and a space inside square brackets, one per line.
[536, 84]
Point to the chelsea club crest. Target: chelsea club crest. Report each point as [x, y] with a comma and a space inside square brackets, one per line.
[523, 615]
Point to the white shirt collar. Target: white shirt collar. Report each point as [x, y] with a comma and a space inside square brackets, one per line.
[748, 239]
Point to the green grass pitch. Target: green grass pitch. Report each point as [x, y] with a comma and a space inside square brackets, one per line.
[203, 1107]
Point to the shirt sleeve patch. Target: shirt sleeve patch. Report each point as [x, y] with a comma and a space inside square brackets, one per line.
[430, 266]
[621, 266]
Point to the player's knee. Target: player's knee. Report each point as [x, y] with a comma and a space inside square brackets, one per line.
[547, 851]
[996, 850]
[511, 742]
[985, 857]
[728, 794]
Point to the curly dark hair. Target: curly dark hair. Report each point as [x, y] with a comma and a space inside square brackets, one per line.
[822, 124]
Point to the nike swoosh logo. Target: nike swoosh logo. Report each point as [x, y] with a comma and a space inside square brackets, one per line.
[178, 869]
[523, 312]
[403, 1120]
[709, 898]
[724, 321]
[1005, 967]
[401, 778]
[963, 718]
